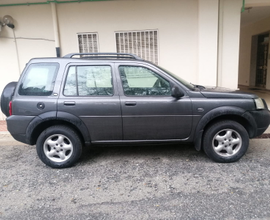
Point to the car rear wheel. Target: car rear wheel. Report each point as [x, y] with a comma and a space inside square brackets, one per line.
[225, 141]
[59, 147]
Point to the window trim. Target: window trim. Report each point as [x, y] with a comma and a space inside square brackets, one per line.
[77, 91]
[56, 64]
[146, 67]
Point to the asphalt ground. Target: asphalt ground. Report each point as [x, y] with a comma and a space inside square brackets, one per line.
[150, 182]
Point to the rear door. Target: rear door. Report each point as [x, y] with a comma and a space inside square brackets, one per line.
[148, 109]
[88, 92]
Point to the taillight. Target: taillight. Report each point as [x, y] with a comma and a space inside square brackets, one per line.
[10, 108]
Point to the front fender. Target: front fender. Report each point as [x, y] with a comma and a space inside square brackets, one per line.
[220, 112]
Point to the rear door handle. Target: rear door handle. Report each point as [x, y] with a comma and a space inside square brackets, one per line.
[130, 103]
[69, 103]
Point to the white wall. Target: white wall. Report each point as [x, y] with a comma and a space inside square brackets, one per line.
[34, 33]
[228, 49]
[207, 42]
[176, 22]
[247, 32]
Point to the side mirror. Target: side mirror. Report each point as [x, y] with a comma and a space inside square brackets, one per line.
[177, 93]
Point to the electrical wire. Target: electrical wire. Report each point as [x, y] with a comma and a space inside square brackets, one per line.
[29, 38]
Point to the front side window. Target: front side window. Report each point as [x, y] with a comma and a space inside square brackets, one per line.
[89, 81]
[39, 79]
[141, 81]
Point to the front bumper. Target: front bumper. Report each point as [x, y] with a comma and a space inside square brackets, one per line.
[262, 119]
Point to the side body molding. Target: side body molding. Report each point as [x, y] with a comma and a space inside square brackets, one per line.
[220, 112]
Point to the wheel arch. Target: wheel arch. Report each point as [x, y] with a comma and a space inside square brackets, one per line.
[224, 113]
[46, 120]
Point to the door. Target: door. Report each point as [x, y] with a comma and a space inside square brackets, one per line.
[262, 59]
[149, 111]
[89, 94]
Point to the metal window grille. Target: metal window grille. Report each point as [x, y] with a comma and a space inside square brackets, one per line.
[88, 42]
[142, 43]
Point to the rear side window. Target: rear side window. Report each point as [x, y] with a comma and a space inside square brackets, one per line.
[89, 81]
[39, 79]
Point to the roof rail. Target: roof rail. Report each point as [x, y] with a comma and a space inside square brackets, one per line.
[104, 55]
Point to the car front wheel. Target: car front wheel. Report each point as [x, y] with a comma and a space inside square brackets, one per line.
[225, 141]
[59, 147]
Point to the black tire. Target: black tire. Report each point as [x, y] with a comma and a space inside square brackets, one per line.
[59, 147]
[6, 97]
[225, 141]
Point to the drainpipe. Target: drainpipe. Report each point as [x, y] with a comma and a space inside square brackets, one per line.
[243, 6]
[55, 29]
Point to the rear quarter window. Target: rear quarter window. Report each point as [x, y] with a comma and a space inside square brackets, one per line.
[39, 79]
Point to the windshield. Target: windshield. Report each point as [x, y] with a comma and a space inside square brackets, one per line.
[184, 82]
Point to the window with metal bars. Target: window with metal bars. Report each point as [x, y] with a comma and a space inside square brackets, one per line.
[142, 43]
[88, 42]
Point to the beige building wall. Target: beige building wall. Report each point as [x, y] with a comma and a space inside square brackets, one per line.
[257, 3]
[34, 38]
[176, 22]
[246, 59]
[208, 17]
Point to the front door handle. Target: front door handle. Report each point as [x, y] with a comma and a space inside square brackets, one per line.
[130, 103]
[69, 103]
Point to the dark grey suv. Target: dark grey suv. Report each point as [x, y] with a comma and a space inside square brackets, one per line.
[62, 104]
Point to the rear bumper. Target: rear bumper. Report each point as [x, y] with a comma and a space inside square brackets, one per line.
[17, 126]
[21, 138]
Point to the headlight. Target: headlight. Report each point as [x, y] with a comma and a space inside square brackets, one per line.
[259, 103]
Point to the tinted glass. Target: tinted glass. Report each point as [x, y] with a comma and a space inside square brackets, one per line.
[89, 81]
[39, 79]
[71, 84]
[141, 81]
